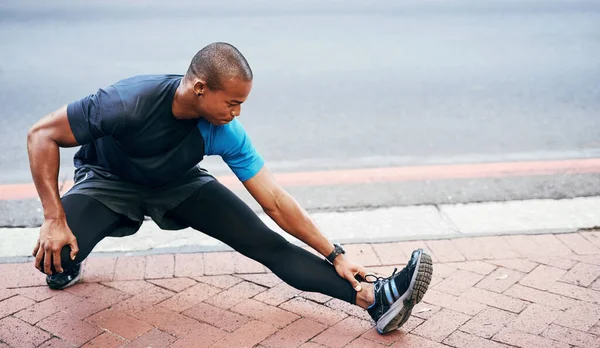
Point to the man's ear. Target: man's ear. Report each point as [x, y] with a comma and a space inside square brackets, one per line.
[199, 87]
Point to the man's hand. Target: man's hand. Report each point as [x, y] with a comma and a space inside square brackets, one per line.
[54, 235]
[348, 271]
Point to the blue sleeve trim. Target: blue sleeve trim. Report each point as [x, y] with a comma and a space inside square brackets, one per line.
[233, 144]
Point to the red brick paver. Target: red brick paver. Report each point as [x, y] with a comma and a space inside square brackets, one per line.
[18, 333]
[120, 324]
[130, 268]
[159, 266]
[489, 292]
[70, 329]
[99, 269]
[106, 340]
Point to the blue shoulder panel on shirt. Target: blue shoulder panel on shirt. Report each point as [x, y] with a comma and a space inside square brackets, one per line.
[233, 144]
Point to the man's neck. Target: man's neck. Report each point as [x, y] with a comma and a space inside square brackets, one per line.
[179, 107]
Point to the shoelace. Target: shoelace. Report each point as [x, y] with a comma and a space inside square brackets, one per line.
[359, 278]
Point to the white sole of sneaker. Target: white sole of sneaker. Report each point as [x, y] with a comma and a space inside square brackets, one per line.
[72, 282]
[400, 310]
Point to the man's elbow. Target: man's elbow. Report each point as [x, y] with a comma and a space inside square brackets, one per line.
[38, 131]
[275, 205]
[33, 134]
[52, 128]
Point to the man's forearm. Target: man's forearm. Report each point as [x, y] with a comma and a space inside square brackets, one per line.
[293, 219]
[44, 158]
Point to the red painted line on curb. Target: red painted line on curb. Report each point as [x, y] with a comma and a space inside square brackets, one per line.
[384, 175]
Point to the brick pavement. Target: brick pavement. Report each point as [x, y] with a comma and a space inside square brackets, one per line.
[510, 291]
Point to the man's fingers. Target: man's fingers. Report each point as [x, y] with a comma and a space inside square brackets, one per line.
[362, 272]
[38, 258]
[74, 248]
[48, 261]
[359, 273]
[35, 249]
[57, 263]
[353, 281]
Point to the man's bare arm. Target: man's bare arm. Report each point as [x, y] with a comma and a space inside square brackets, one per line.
[293, 219]
[43, 142]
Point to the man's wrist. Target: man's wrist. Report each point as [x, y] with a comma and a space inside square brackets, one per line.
[55, 217]
[54, 212]
[339, 259]
[338, 251]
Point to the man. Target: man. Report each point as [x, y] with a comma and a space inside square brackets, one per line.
[141, 141]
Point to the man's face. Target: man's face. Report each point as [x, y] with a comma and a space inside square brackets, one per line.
[221, 106]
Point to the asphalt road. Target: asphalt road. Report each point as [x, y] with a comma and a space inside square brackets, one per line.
[338, 84]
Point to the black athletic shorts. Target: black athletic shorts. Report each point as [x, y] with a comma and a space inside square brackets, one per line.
[137, 201]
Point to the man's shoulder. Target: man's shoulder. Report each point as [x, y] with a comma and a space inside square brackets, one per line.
[149, 79]
[144, 93]
[142, 84]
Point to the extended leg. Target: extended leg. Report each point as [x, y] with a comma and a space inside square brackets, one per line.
[218, 212]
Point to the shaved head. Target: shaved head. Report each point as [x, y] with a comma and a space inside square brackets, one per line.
[217, 63]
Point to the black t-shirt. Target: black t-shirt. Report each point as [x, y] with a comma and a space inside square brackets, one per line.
[128, 131]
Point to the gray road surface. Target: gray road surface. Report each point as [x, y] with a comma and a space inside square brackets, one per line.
[338, 84]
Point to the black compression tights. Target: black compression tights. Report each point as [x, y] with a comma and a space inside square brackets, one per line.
[219, 213]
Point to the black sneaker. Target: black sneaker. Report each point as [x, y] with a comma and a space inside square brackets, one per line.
[396, 295]
[65, 279]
